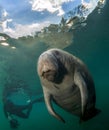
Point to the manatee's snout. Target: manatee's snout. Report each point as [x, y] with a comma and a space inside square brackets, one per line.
[50, 75]
[48, 67]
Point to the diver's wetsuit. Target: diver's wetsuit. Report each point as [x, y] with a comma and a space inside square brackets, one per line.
[12, 109]
[22, 111]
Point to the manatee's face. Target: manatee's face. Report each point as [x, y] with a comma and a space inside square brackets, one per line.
[50, 75]
[48, 67]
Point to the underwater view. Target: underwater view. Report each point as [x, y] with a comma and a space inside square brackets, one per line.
[30, 27]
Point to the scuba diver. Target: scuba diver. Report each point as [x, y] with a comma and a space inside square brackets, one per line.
[22, 111]
[14, 89]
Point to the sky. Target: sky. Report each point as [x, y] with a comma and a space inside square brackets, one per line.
[24, 17]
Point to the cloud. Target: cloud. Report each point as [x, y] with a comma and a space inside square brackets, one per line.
[12, 27]
[20, 30]
[5, 13]
[49, 5]
[90, 6]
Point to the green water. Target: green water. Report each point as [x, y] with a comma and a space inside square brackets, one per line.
[91, 44]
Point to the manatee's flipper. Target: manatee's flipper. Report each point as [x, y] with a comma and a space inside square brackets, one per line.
[48, 98]
[90, 114]
[79, 81]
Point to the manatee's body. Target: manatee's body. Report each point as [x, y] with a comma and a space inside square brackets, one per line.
[66, 80]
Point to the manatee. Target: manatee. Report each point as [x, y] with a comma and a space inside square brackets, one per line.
[66, 81]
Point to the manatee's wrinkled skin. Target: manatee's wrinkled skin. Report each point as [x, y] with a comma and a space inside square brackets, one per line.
[66, 81]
